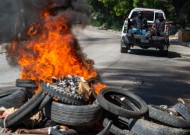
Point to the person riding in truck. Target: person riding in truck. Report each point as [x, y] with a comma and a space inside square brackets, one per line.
[139, 24]
[158, 28]
[159, 25]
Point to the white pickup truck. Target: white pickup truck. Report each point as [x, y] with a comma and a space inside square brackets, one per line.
[128, 40]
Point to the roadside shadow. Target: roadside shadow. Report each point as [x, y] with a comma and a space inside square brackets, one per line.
[157, 87]
[154, 53]
[174, 55]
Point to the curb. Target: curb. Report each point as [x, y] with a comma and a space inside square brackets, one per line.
[186, 44]
[174, 39]
[104, 29]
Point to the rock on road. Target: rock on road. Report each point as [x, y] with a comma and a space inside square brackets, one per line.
[158, 80]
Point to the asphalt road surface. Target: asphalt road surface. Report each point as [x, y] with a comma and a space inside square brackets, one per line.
[158, 80]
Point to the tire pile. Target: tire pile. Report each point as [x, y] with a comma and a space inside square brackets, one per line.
[112, 111]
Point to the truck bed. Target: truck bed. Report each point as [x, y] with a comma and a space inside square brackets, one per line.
[140, 40]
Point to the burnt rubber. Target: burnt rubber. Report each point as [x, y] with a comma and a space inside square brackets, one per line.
[63, 96]
[24, 112]
[165, 118]
[15, 98]
[93, 80]
[26, 83]
[183, 111]
[76, 115]
[144, 127]
[106, 100]
[116, 130]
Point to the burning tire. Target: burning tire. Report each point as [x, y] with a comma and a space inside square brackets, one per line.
[144, 127]
[183, 111]
[122, 103]
[116, 130]
[94, 80]
[14, 98]
[63, 96]
[76, 115]
[165, 118]
[26, 83]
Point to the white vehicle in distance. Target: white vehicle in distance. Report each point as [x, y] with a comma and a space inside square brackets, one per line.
[129, 40]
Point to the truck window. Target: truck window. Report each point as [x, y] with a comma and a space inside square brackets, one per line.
[149, 15]
[134, 14]
[156, 15]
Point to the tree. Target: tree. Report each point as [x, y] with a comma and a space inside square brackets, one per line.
[112, 12]
[119, 7]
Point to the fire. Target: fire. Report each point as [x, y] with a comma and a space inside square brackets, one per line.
[98, 87]
[32, 30]
[53, 52]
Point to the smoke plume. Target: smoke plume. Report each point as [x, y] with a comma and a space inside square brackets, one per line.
[16, 16]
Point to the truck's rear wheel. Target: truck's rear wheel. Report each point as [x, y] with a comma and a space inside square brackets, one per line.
[124, 47]
[124, 50]
[164, 51]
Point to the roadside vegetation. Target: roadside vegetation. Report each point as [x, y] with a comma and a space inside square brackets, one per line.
[110, 14]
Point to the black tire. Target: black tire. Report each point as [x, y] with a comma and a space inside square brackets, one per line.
[115, 130]
[106, 129]
[144, 127]
[163, 52]
[65, 97]
[93, 80]
[76, 115]
[165, 118]
[7, 91]
[124, 50]
[14, 98]
[183, 111]
[45, 101]
[117, 109]
[24, 112]
[26, 83]
[47, 110]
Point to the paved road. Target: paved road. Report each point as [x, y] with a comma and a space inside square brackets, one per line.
[163, 79]
[158, 80]
[8, 73]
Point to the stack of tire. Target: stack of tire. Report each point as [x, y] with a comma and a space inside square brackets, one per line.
[67, 109]
[71, 109]
[120, 112]
[131, 115]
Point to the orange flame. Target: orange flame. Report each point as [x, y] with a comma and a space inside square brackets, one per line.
[32, 30]
[55, 52]
[98, 87]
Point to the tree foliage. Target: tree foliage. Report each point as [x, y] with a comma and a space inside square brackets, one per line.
[113, 12]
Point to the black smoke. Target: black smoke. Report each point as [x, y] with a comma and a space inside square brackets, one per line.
[16, 16]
